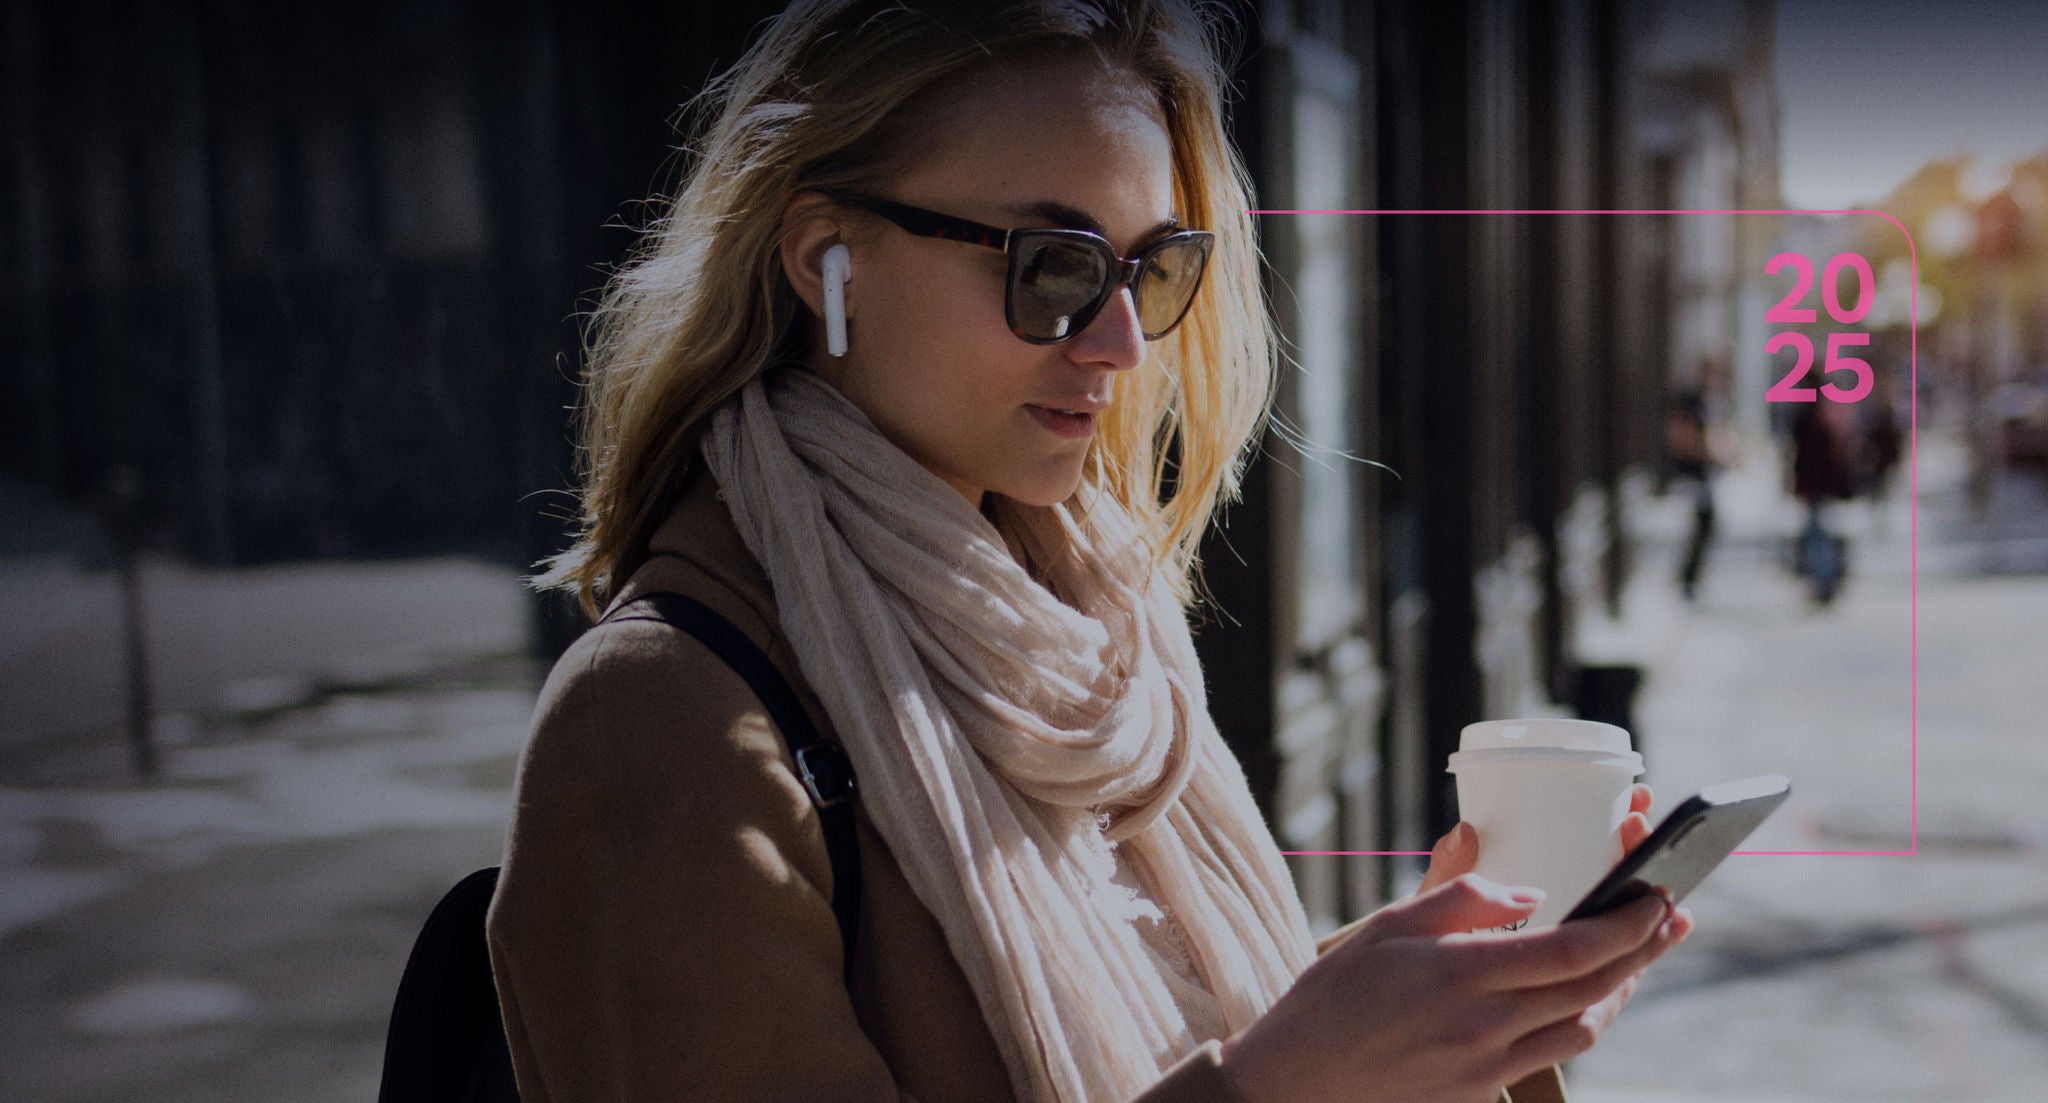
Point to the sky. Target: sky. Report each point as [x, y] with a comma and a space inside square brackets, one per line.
[1871, 91]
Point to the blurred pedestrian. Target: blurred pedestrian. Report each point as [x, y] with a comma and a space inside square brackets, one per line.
[883, 391]
[1688, 448]
[1883, 445]
[1823, 455]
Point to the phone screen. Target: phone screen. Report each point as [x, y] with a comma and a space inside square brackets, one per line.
[1688, 844]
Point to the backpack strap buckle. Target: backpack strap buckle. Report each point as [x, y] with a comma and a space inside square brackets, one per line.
[826, 772]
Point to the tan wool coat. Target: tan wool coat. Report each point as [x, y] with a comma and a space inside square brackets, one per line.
[663, 927]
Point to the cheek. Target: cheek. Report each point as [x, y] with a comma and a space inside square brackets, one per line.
[948, 382]
[952, 362]
[967, 390]
[950, 302]
[941, 370]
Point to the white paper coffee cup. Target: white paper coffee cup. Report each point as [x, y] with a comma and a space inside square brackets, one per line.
[1546, 797]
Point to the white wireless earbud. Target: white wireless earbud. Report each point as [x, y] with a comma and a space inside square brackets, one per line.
[838, 259]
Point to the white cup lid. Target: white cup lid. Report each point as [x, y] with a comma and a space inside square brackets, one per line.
[1558, 734]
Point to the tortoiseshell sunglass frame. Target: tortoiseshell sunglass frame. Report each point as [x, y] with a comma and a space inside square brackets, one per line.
[1017, 244]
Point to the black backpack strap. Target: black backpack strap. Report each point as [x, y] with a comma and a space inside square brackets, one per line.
[446, 1042]
[821, 763]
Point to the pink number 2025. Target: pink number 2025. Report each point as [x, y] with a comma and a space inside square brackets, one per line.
[1786, 389]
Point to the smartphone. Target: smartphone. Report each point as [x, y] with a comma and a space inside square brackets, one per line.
[1688, 844]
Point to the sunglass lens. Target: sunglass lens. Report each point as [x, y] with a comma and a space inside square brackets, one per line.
[1053, 284]
[1167, 283]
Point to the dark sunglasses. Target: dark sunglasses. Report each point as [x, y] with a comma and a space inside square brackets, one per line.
[1060, 279]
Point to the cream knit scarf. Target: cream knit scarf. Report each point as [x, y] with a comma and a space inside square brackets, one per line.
[1004, 740]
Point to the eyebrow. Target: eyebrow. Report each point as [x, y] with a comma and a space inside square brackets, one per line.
[1075, 218]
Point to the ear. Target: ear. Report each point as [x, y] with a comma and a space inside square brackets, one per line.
[808, 230]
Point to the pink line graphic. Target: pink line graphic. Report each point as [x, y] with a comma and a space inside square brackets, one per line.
[1913, 483]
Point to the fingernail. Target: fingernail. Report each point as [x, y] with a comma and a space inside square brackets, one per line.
[1529, 896]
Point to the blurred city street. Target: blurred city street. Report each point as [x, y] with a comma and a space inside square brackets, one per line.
[1837, 978]
[241, 924]
[321, 330]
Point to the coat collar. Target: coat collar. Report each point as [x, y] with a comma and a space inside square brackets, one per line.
[699, 533]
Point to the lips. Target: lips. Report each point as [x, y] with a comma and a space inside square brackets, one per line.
[1068, 422]
[1074, 404]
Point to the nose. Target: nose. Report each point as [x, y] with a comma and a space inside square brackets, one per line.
[1114, 339]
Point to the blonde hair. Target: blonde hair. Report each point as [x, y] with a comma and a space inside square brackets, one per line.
[819, 102]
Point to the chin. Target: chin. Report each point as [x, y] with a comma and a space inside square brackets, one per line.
[1043, 488]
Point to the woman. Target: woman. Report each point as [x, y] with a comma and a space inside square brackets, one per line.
[951, 536]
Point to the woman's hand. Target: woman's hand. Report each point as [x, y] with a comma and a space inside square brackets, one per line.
[1457, 852]
[1412, 1008]
[1595, 968]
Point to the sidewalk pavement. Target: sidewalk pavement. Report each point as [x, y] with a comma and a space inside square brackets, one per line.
[236, 929]
[1840, 977]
